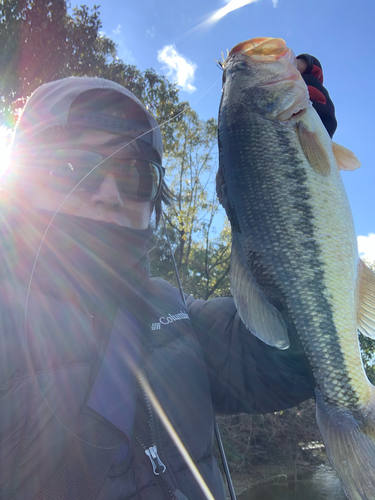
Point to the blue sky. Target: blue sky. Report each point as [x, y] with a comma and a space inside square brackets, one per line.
[175, 38]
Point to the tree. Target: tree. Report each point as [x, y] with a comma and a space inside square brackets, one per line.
[41, 42]
[209, 262]
[368, 348]
[202, 256]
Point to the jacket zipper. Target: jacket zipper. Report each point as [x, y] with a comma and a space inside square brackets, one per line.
[158, 467]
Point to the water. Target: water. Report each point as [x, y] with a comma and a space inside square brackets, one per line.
[322, 484]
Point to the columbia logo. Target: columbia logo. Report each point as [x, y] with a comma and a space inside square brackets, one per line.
[165, 320]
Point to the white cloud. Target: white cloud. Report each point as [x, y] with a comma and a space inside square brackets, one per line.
[366, 247]
[231, 5]
[275, 3]
[179, 68]
[219, 14]
[151, 32]
[117, 31]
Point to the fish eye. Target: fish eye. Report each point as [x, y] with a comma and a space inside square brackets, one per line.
[240, 65]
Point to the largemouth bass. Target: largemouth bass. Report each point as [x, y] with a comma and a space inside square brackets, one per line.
[295, 263]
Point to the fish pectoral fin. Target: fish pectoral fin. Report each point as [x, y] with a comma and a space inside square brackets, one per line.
[259, 316]
[366, 300]
[346, 159]
[314, 150]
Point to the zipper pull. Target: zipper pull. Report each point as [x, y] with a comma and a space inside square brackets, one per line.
[157, 465]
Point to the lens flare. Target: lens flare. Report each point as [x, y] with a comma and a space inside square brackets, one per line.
[173, 434]
[5, 137]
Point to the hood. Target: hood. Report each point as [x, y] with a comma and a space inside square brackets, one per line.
[49, 108]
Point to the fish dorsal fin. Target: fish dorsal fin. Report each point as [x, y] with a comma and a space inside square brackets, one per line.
[314, 150]
[346, 159]
[260, 317]
[366, 300]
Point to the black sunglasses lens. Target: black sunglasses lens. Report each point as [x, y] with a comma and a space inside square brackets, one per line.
[136, 178]
[69, 166]
[140, 179]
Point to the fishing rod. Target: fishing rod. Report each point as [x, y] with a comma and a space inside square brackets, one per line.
[219, 441]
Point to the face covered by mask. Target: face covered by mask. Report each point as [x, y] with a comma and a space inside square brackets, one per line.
[94, 256]
[80, 112]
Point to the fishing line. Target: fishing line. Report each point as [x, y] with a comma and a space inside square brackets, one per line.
[41, 244]
[219, 441]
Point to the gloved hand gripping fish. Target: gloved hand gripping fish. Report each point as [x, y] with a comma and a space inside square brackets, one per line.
[295, 263]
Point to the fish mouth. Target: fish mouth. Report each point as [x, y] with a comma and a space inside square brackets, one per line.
[271, 50]
[265, 50]
[262, 47]
[290, 115]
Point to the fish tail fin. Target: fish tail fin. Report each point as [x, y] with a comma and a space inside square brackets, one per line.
[349, 438]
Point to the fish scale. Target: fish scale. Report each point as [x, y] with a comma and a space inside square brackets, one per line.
[292, 215]
[294, 264]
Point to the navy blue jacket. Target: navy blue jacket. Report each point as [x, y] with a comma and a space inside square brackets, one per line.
[196, 362]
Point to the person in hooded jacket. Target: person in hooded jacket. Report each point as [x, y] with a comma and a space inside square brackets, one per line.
[99, 361]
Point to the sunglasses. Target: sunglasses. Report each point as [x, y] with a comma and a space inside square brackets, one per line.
[137, 178]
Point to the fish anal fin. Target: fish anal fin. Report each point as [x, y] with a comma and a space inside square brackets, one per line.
[260, 317]
[366, 300]
[314, 150]
[346, 159]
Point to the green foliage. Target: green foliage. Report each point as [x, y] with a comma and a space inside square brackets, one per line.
[41, 42]
[209, 263]
[202, 256]
[368, 352]
[368, 348]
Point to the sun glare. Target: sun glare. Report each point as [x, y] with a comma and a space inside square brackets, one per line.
[4, 149]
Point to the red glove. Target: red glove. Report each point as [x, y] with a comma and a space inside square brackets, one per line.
[313, 77]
